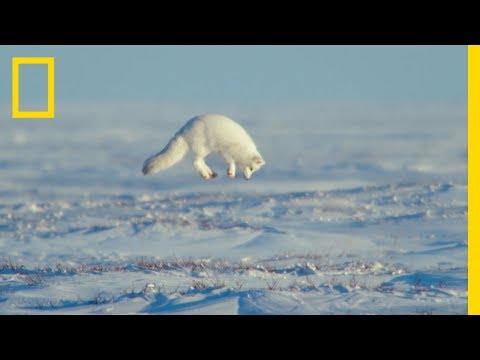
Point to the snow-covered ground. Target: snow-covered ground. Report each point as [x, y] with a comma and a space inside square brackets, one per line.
[359, 210]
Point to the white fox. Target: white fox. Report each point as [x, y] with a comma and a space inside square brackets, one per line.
[207, 134]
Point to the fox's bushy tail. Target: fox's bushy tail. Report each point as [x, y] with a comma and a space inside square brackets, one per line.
[175, 150]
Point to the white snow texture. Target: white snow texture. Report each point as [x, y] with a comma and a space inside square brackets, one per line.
[358, 210]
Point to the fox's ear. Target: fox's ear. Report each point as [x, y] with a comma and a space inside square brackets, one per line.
[258, 160]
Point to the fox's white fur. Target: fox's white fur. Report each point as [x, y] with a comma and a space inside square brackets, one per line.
[207, 134]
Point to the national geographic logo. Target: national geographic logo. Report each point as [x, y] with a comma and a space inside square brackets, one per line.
[50, 112]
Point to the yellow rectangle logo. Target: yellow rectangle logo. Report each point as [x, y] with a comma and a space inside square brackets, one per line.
[473, 179]
[50, 112]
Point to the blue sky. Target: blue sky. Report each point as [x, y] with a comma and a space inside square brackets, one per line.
[243, 74]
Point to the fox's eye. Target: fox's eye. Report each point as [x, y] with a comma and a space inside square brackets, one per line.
[251, 168]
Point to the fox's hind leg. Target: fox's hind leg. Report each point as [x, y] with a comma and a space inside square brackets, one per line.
[203, 169]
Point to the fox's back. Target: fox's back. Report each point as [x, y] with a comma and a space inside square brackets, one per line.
[217, 132]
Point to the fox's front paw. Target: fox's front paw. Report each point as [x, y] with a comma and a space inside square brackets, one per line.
[231, 174]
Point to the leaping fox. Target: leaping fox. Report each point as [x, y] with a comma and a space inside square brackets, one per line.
[207, 134]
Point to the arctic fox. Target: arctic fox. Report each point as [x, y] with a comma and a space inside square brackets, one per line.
[207, 134]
